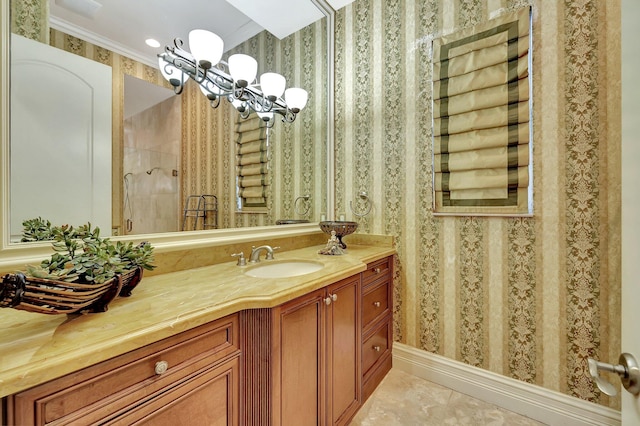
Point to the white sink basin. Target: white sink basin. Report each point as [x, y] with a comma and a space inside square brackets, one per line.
[283, 269]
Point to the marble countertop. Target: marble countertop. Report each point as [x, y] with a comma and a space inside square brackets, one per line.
[36, 348]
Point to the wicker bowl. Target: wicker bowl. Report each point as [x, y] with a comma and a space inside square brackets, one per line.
[341, 228]
[130, 280]
[45, 296]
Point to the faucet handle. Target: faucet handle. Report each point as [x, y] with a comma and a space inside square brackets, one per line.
[241, 260]
[269, 255]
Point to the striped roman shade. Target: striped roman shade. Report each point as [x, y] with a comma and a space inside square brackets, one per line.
[481, 118]
[252, 161]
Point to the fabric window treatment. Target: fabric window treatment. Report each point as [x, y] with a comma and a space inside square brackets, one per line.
[481, 117]
[252, 156]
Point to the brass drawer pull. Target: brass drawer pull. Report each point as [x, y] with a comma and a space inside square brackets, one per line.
[376, 270]
[376, 304]
[376, 348]
[161, 367]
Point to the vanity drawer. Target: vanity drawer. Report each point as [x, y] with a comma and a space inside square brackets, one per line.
[376, 346]
[375, 302]
[376, 270]
[100, 391]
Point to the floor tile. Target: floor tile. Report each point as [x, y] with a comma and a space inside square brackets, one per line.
[403, 399]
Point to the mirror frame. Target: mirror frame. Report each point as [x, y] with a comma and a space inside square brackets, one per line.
[16, 255]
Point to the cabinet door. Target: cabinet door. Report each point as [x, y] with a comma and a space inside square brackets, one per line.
[317, 344]
[343, 350]
[299, 370]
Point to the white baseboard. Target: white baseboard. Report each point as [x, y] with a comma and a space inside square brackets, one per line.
[544, 405]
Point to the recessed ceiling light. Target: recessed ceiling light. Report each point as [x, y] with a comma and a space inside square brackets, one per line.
[152, 42]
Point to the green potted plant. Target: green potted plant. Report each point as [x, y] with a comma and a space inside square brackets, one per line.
[36, 229]
[80, 255]
[135, 259]
[84, 273]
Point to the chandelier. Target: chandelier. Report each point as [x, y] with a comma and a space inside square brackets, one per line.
[234, 80]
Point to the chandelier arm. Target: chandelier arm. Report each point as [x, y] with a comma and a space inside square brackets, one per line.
[252, 100]
[267, 105]
[215, 102]
[245, 114]
[177, 43]
[183, 60]
[181, 63]
[222, 82]
[239, 92]
[288, 116]
[223, 66]
[200, 71]
[279, 105]
[177, 83]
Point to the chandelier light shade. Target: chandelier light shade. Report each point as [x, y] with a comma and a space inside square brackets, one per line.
[206, 47]
[234, 80]
[296, 98]
[243, 69]
[272, 85]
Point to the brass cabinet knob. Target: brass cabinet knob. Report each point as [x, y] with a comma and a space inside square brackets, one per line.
[376, 270]
[376, 348]
[161, 367]
[332, 297]
[376, 304]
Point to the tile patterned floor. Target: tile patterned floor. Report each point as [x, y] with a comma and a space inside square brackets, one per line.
[406, 400]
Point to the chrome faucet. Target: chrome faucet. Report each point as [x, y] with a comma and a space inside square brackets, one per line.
[255, 253]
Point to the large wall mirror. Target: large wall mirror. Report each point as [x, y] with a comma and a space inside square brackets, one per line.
[203, 161]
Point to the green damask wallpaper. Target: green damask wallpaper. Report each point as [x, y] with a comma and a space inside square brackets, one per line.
[527, 297]
[30, 19]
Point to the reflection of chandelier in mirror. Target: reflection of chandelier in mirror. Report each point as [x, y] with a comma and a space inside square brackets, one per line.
[235, 80]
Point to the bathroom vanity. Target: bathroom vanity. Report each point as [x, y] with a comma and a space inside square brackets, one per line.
[210, 345]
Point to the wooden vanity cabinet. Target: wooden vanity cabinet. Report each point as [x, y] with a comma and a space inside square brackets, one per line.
[190, 378]
[316, 353]
[310, 361]
[377, 331]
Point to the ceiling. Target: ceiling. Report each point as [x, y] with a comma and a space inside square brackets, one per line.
[124, 25]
